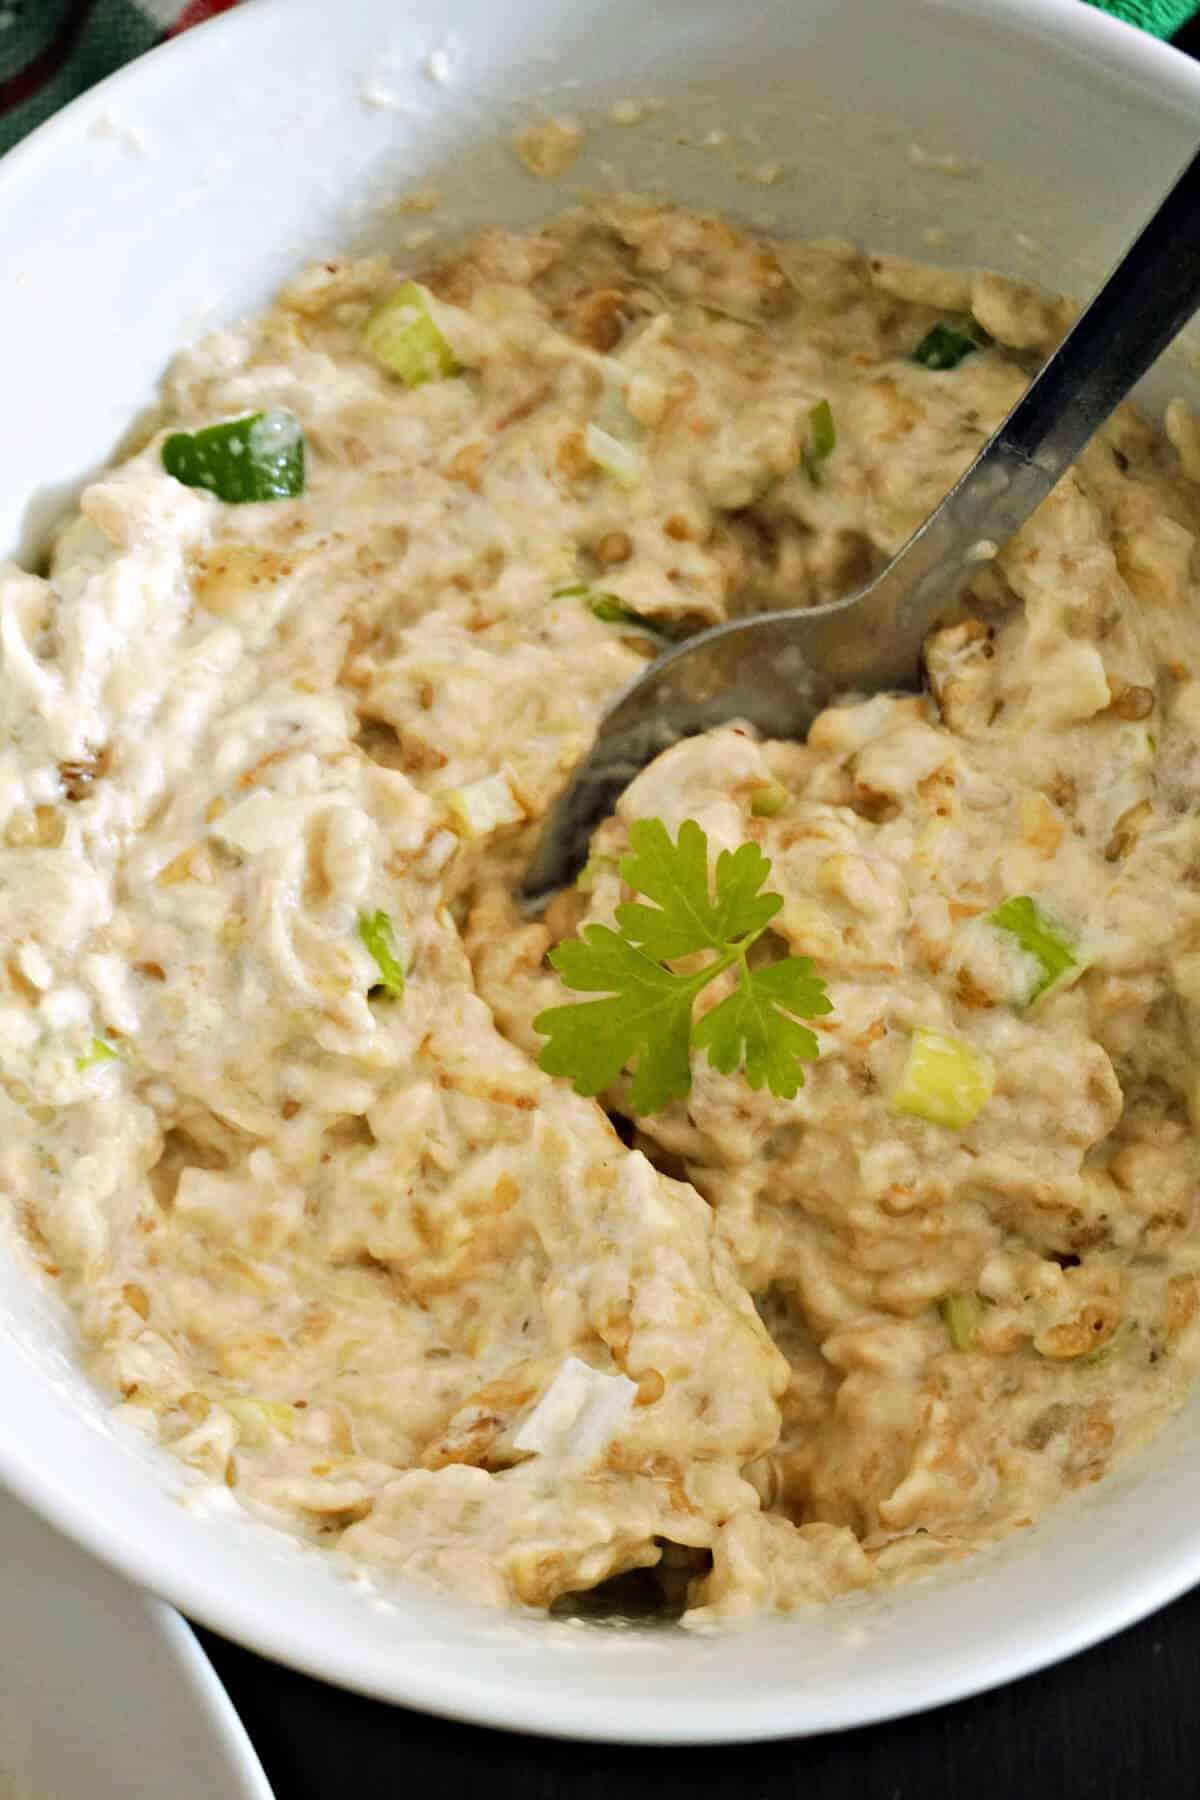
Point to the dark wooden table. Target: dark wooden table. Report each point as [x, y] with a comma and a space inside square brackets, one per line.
[1121, 1722]
[1118, 1723]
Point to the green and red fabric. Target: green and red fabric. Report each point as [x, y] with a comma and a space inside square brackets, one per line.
[51, 50]
[1162, 18]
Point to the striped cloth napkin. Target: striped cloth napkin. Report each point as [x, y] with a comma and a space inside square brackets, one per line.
[50, 50]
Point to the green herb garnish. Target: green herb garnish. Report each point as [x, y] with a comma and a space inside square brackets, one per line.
[960, 1316]
[611, 611]
[375, 930]
[1040, 937]
[944, 347]
[822, 431]
[260, 457]
[98, 1051]
[258, 1420]
[768, 801]
[402, 333]
[617, 458]
[647, 1020]
[593, 868]
[1113, 1346]
[822, 440]
[945, 1080]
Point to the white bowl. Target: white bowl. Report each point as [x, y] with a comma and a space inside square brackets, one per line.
[104, 1691]
[176, 196]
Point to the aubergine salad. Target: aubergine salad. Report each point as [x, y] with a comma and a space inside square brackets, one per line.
[808, 1198]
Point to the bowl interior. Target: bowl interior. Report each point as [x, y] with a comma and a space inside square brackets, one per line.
[1029, 136]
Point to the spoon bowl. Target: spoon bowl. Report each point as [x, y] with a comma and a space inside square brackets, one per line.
[776, 671]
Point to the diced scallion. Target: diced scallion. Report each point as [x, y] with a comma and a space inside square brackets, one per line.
[98, 1051]
[945, 1080]
[593, 868]
[768, 802]
[610, 609]
[483, 805]
[822, 432]
[402, 333]
[619, 460]
[1114, 1345]
[375, 930]
[257, 1419]
[960, 1316]
[1040, 936]
[822, 440]
[613, 611]
[259, 457]
[944, 347]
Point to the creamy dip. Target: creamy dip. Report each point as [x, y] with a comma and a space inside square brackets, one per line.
[353, 1253]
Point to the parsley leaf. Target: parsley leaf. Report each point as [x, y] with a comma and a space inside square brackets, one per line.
[646, 1022]
[753, 1026]
[675, 876]
[648, 1018]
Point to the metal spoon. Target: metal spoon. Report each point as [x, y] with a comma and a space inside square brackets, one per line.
[777, 671]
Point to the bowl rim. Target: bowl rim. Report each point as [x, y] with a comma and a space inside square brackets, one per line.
[1081, 30]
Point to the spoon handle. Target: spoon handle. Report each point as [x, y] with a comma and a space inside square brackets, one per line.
[779, 669]
[1145, 302]
[1149, 296]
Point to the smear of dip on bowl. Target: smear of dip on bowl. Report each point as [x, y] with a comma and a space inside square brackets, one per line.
[280, 724]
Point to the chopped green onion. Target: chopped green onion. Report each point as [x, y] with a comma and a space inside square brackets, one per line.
[259, 457]
[1113, 1346]
[1040, 937]
[98, 1051]
[945, 1080]
[944, 348]
[767, 802]
[562, 562]
[594, 867]
[375, 930]
[612, 611]
[483, 805]
[960, 1316]
[257, 1419]
[619, 460]
[401, 333]
[822, 430]
[822, 440]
